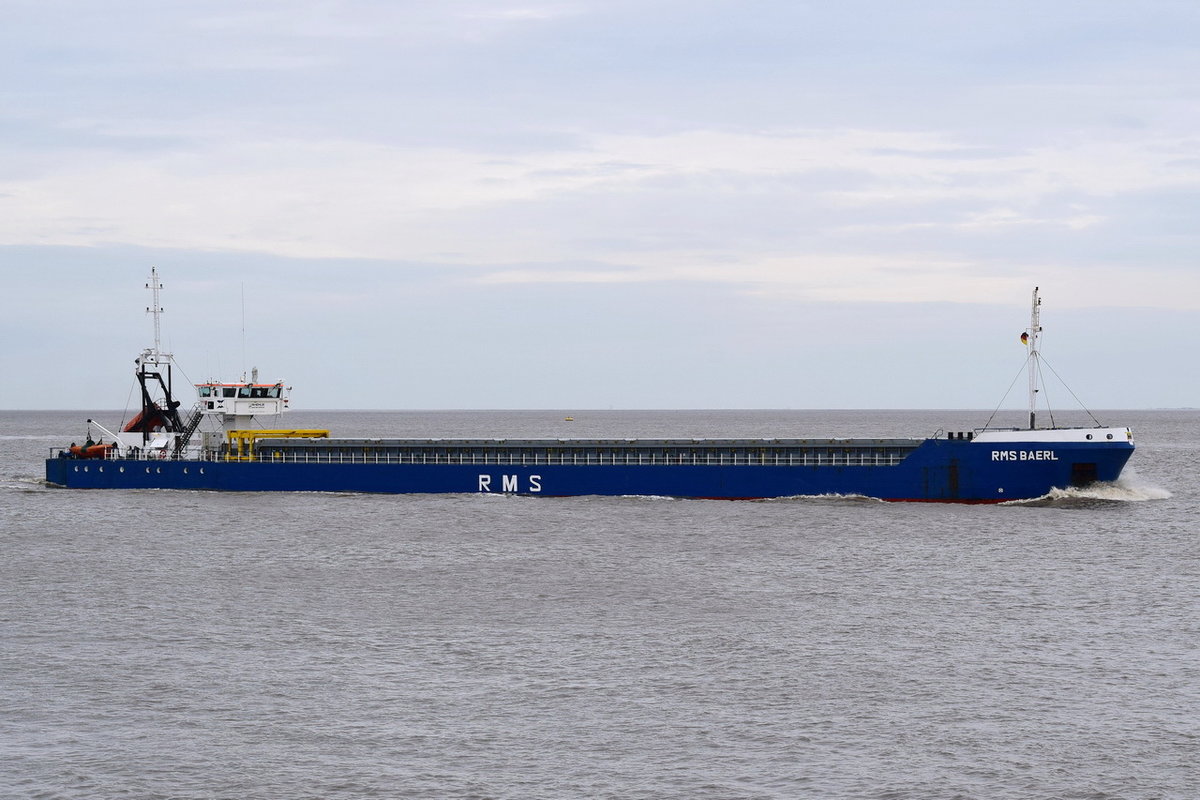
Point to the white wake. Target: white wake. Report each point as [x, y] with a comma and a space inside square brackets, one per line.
[1129, 488]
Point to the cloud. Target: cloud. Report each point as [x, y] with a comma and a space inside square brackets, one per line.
[936, 151]
[754, 208]
[270, 182]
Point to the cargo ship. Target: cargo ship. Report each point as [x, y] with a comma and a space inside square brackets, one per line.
[159, 449]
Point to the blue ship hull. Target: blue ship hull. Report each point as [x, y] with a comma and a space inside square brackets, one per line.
[936, 470]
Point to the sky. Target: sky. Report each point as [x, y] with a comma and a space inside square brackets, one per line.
[603, 204]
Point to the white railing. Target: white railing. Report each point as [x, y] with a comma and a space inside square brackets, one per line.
[853, 459]
[807, 458]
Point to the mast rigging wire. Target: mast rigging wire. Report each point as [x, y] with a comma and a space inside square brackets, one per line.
[988, 424]
[1043, 390]
[1077, 400]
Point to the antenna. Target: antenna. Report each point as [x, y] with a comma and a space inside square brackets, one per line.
[155, 356]
[243, 331]
[1035, 329]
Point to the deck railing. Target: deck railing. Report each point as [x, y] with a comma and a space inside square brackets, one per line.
[814, 457]
[851, 458]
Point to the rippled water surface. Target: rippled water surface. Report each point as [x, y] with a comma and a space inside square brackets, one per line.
[159, 644]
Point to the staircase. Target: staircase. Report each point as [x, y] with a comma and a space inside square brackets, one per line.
[185, 435]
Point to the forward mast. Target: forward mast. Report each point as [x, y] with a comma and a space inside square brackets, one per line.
[1031, 340]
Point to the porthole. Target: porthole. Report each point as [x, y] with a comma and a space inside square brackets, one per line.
[100, 468]
[85, 469]
[120, 469]
[185, 471]
[202, 470]
[158, 470]
[77, 468]
[1089, 436]
[1110, 436]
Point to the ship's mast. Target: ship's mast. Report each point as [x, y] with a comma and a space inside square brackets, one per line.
[1035, 330]
[155, 356]
[154, 367]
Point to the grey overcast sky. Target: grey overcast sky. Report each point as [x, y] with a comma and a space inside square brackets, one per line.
[601, 203]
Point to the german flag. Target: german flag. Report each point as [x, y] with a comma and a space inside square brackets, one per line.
[1025, 338]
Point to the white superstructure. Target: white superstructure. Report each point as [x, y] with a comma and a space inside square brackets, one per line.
[235, 405]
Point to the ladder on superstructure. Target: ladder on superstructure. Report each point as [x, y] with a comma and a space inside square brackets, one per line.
[185, 436]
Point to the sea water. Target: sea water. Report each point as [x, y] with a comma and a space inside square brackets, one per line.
[162, 644]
